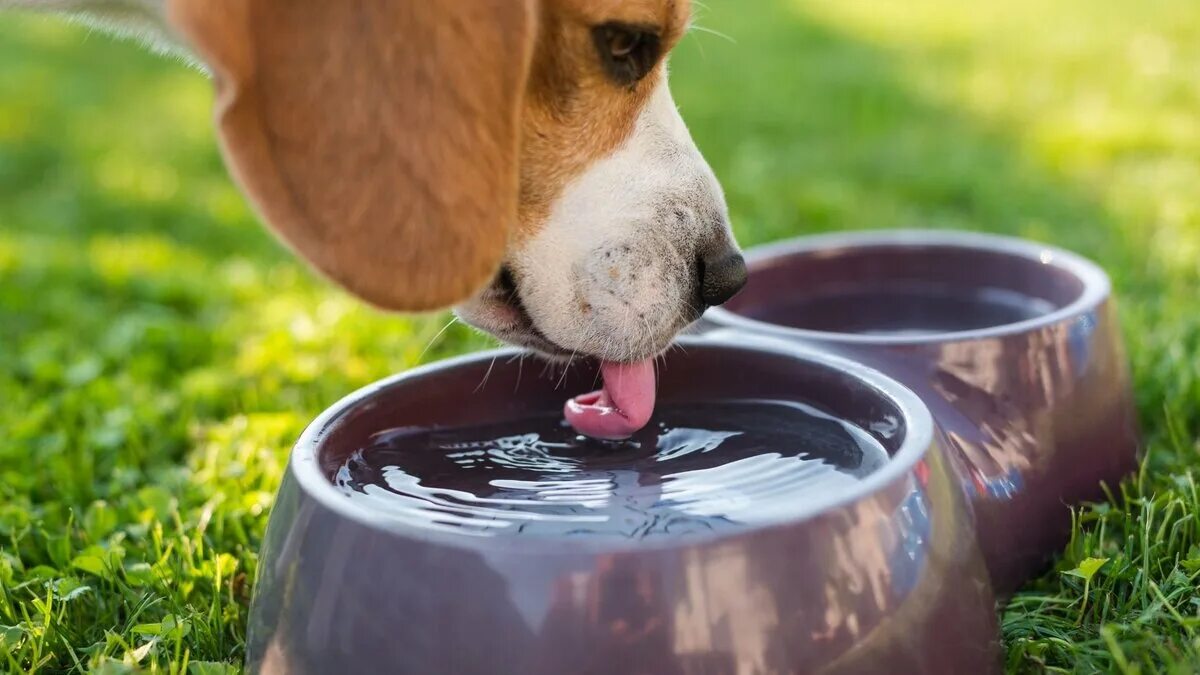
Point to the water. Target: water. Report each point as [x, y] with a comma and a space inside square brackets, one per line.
[696, 468]
[904, 309]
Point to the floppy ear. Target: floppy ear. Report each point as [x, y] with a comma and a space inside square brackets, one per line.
[379, 138]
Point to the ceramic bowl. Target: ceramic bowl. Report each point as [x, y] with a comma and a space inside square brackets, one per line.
[884, 577]
[1014, 346]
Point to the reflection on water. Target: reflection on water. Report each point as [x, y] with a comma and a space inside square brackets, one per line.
[696, 468]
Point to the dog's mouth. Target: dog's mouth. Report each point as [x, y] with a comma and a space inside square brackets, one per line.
[619, 408]
[520, 330]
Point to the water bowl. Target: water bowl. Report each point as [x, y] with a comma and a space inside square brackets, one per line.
[1013, 345]
[787, 510]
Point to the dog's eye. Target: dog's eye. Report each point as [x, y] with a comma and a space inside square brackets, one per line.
[626, 52]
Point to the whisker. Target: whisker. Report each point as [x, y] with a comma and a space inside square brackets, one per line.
[710, 31]
[436, 336]
[570, 360]
[486, 375]
[520, 369]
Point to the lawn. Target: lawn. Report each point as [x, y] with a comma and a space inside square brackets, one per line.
[159, 351]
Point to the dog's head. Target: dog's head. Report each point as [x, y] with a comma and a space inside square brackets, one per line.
[521, 159]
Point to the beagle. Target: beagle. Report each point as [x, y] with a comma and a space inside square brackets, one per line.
[520, 160]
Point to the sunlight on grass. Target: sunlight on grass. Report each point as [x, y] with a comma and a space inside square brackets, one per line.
[122, 258]
[160, 351]
[136, 180]
[1097, 93]
[1096, 101]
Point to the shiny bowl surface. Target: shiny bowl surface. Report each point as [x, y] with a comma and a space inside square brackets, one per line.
[886, 577]
[1013, 345]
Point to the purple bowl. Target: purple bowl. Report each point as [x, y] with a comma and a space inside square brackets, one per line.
[1013, 346]
[885, 577]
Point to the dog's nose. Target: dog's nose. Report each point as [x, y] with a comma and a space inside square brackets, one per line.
[721, 277]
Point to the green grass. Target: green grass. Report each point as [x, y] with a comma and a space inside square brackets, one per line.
[159, 352]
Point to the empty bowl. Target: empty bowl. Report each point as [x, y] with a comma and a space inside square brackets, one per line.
[419, 529]
[1013, 345]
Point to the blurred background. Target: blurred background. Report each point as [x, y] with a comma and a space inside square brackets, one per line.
[159, 351]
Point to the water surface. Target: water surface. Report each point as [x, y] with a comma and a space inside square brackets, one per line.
[696, 468]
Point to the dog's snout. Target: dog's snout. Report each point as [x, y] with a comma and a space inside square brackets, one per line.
[721, 276]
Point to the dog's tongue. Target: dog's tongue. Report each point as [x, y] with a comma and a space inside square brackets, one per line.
[622, 407]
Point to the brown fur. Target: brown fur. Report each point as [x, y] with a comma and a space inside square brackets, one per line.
[396, 145]
[573, 113]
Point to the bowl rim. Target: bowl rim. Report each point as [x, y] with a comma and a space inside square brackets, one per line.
[1097, 287]
[917, 442]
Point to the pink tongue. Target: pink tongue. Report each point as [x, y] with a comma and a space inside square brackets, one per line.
[622, 407]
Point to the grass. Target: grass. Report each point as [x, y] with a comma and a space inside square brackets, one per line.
[159, 352]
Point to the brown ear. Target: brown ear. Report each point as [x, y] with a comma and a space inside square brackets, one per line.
[379, 138]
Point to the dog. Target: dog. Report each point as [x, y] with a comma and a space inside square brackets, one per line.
[520, 160]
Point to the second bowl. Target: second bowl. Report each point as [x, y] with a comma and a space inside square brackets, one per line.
[1013, 345]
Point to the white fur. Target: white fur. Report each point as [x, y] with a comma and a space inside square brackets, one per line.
[612, 273]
